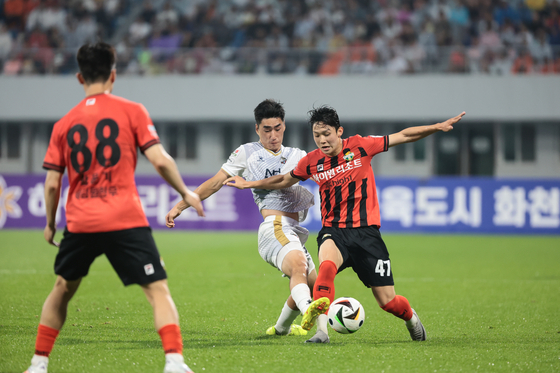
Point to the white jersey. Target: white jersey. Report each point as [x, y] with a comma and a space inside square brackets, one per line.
[253, 162]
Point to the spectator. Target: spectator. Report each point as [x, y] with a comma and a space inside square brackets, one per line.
[420, 14]
[502, 64]
[86, 30]
[427, 41]
[415, 55]
[507, 33]
[277, 39]
[548, 67]
[505, 11]
[459, 20]
[397, 63]
[523, 64]
[35, 18]
[52, 15]
[490, 38]
[537, 5]
[554, 41]
[148, 13]
[442, 30]
[540, 48]
[72, 39]
[6, 44]
[139, 30]
[439, 7]
[474, 55]
[391, 28]
[14, 11]
[13, 66]
[457, 61]
[167, 16]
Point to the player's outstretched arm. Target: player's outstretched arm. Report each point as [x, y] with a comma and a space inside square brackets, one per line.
[273, 182]
[167, 168]
[412, 134]
[53, 184]
[205, 190]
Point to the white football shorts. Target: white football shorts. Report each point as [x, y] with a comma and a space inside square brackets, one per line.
[278, 235]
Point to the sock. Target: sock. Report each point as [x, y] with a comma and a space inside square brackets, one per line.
[322, 321]
[174, 358]
[45, 340]
[38, 359]
[324, 285]
[287, 317]
[399, 307]
[171, 339]
[302, 296]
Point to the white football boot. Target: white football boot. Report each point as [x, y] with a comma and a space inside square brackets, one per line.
[39, 364]
[319, 337]
[417, 332]
[174, 363]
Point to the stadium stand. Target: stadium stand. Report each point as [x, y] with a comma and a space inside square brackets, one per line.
[326, 37]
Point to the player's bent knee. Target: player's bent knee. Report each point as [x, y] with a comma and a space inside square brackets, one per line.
[156, 288]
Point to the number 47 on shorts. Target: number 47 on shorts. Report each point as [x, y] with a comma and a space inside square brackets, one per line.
[380, 267]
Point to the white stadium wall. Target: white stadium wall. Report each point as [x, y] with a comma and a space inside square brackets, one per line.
[424, 97]
[207, 102]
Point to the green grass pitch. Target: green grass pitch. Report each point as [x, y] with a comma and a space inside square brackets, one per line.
[489, 304]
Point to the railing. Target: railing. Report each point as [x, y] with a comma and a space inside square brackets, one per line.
[356, 60]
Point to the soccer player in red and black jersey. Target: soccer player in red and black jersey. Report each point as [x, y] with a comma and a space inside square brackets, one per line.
[350, 211]
[97, 143]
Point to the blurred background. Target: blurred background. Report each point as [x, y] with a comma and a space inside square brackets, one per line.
[200, 68]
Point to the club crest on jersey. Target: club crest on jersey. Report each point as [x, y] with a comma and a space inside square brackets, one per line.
[234, 154]
[283, 160]
[320, 168]
[152, 129]
[348, 156]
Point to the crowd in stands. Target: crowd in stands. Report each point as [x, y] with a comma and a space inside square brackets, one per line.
[42, 36]
[325, 37]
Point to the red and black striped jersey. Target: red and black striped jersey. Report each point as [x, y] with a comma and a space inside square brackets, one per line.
[347, 184]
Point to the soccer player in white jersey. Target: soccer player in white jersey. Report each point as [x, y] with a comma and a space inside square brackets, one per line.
[280, 238]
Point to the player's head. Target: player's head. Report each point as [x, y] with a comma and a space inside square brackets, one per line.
[327, 131]
[269, 124]
[97, 63]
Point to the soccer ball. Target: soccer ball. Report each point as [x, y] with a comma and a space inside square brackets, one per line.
[346, 315]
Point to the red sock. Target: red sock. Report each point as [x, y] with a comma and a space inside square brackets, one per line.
[171, 339]
[399, 307]
[324, 285]
[45, 340]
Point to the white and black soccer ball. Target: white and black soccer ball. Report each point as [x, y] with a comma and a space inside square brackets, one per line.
[346, 315]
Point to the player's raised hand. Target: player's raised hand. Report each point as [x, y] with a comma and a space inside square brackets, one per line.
[48, 233]
[193, 199]
[448, 124]
[171, 216]
[237, 182]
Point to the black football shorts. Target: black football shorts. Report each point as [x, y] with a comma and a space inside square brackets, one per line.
[364, 251]
[132, 253]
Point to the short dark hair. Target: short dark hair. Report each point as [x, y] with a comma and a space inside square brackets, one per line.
[269, 109]
[96, 62]
[324, 114]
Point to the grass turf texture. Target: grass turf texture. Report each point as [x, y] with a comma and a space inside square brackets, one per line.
[489, 303]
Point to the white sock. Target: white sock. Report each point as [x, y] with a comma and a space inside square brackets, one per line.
[287, 317]
[302, 296]
[39, 359]
[174, 357]
[322, 321]
[412, 322]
